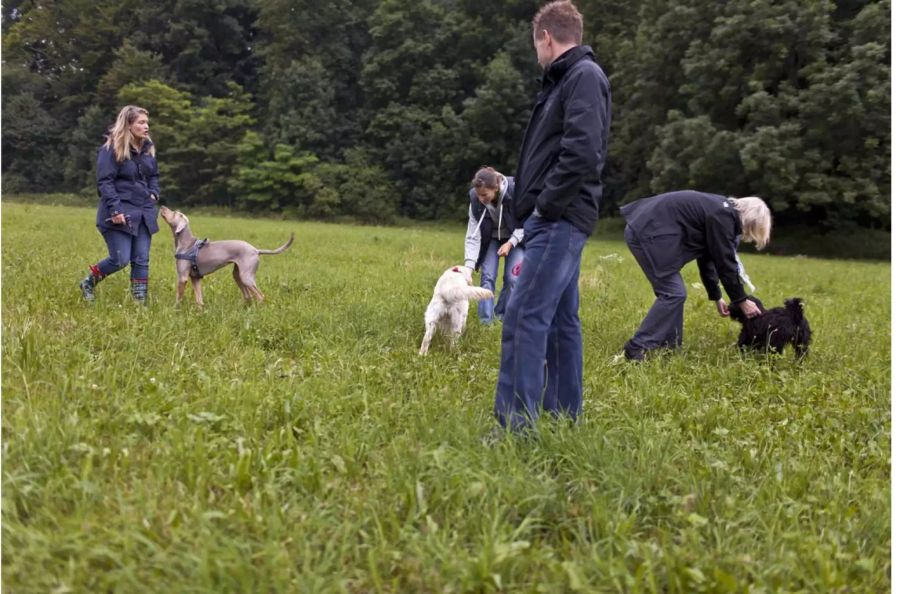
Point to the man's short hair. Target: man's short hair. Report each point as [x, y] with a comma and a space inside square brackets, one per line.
[561, 19]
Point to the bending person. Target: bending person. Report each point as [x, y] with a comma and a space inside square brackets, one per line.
[667, 231]
[493, 233]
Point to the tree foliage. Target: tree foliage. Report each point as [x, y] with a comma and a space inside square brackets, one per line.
[378, 108]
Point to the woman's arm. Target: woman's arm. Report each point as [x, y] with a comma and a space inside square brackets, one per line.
[720, 242]
[153, 182]
[709, 278]
[107, 169]
[473, 240]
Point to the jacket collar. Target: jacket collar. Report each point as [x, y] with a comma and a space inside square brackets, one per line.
[563, 63]
[145, 147]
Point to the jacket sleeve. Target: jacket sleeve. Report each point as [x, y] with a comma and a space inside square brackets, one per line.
[516, 237]
[153, 182]
[709, 278]
[473, 240]
[107, 168]
[720, 240]
[581, 146]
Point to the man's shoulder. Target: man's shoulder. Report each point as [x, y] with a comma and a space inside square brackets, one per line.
[587, 66]
[587, 71]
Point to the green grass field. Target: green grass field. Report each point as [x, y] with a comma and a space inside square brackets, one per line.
[303, 446]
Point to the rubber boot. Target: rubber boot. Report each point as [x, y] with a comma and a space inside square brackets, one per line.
[90, 281]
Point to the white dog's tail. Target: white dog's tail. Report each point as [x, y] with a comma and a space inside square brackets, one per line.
[279, 250]
[461, 293]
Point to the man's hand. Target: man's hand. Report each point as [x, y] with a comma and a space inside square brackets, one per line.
[118, 219]
[750, 309]
[505, 249]
[722, 308]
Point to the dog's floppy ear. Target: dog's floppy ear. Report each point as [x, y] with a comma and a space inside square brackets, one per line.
[182, 223]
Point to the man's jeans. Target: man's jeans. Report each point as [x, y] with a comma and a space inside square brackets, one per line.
[541, 328]
[486, 309]
[124, 248]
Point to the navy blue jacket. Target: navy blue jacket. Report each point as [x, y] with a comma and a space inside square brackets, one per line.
[125, 188]
[678, 227]
[564, 149]
[508, 218]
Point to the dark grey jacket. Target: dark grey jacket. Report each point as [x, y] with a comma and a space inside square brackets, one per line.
[564, 149]
[677, 227]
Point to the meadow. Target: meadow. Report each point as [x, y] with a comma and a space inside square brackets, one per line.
[303, 446]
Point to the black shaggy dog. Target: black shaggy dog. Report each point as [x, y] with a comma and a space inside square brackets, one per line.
[774, 328]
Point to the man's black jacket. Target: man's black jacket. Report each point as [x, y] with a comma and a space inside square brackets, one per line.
[564, 149]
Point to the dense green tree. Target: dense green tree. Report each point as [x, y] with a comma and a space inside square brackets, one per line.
[197, 143]
[83, 144]
[301, 109]
[312, 52]
[205, 44]
[390, 105]
[495, 116]
[130, 66]
[31, 160]
[283, 180]
[786, 113]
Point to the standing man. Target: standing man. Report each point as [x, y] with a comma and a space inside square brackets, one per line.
[558, 191]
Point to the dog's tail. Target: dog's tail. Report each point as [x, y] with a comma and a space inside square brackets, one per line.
[474, 293]
[279, 250]
[795, 308]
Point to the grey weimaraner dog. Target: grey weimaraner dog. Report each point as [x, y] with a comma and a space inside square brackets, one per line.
[196, 259]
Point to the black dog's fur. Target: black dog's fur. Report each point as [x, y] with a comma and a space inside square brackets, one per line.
[774, 328]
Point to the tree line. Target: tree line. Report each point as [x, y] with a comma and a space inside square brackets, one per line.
[374, 109]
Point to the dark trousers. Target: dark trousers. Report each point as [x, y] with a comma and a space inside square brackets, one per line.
[125, 248]
[541, 339]
[664, 324]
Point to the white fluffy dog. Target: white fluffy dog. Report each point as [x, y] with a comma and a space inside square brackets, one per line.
[449, 306]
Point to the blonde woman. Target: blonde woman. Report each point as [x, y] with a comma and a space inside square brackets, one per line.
[667, 231]
[128, 186]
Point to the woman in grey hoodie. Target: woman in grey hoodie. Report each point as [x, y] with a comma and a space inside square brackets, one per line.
[493, 233]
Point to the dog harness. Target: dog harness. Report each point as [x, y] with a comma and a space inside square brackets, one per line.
[191, 255]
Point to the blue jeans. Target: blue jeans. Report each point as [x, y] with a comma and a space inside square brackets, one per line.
[487, 311]
[541, 330]
[124, 248]
[664, 324]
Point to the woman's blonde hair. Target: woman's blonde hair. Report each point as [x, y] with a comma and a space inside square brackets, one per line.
[756, 219]
[120, 137]
[487, 177]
